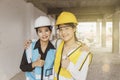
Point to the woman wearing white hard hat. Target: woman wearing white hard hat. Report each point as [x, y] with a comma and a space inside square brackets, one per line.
[38, 58]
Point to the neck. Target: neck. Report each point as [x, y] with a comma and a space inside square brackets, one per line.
[43, 43]
[70, 42]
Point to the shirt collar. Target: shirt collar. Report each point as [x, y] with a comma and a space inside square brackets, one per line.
[50, 45]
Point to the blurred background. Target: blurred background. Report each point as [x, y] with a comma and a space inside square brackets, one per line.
[99, 22]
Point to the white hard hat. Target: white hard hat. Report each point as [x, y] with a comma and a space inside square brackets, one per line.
[42, 21]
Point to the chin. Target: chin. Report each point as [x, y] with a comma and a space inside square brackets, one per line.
[45, 40]
[65, 40]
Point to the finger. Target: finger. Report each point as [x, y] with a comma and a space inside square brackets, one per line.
[29, 41]
[26, 43]
[25, 46]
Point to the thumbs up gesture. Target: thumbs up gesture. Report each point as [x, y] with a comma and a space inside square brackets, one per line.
[38, 62]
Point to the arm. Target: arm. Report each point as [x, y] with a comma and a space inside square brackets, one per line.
[25, 66]
[80, 69]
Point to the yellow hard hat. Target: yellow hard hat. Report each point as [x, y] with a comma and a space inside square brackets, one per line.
[66, 17]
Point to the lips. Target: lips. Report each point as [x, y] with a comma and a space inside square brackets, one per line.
[64, 36]
[45, 37]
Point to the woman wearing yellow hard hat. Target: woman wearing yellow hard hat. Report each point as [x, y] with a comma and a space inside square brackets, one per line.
[72, 60]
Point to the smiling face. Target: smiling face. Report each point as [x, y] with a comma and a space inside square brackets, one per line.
[66, 32]
[44, 33]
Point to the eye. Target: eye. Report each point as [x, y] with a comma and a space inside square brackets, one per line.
[66, 28]
[46, 30]
[39, 31]
[60, 29]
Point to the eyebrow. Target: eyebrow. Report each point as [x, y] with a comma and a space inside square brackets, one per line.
[63, 26]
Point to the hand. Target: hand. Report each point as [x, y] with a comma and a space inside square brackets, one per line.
[27, 43]
[65, 62]
[39, 63]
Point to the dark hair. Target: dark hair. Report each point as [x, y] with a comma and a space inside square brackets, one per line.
[49, 27]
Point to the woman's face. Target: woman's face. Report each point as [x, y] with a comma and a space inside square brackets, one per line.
[66, 32]
[44, 33]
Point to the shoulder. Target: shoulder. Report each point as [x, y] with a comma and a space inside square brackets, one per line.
[33, 43]
[56, 42]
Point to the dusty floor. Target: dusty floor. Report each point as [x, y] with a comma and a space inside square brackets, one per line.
[104, 66]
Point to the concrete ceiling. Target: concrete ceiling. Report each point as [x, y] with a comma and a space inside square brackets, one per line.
[83, 9]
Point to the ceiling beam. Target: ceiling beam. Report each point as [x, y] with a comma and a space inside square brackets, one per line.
[84, 10]
[92, 13]
[40, 6]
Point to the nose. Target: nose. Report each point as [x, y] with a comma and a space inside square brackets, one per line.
[43, 33]
[63, 31]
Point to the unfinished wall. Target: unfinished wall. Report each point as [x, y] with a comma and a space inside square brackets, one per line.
[16, 20]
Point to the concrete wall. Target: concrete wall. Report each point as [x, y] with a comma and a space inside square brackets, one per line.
[16, 25]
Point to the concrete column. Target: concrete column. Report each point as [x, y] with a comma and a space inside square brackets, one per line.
[103, 41]
[98, 31]
[119, 32]
[115, 37]
[29, 20]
